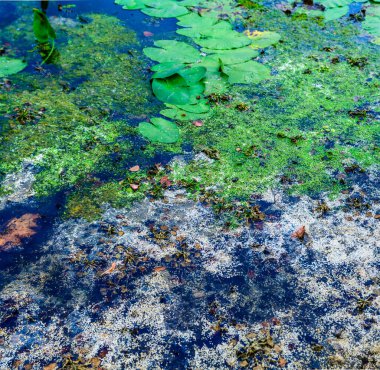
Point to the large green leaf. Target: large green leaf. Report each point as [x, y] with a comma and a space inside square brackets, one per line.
[223, 40]
[175, 90]
[261, 40]
[205, 30]
[172, 51]
[131, 4]
[165, 9]
[201, 106]
[233, 56]
[43, 31]
[10, 66]
[335, 13]
[246, 73]
[215, 83]
[159, 130]
[182, 115]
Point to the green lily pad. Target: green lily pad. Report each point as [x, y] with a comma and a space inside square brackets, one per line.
[166, 9]
[182, 115]
[159, 130]
[260, 40]
[131, 4]
[175, 90]
[10, 66]
[205, 29]
[335, 13]
[224, 40]
[233, 56]
[246, 73]
[172, 51]
[215, 83]
[201, 106]
[166, 66]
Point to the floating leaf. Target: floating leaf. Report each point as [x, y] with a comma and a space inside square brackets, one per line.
[182, 115]
[233, 56]
[205, 29]
[260, 40]
[175, 90]
[165, 9]
[224, 40]
[248, 72]
[201, 106]
[159, 130]
[131, 4]
[172, 51]
[335, 13]
[10, 66]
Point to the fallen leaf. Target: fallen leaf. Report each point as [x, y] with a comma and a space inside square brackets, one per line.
[52, 366]
[159, 269]
[18, 229]
[134, 186]
[282, 362]
[135, 168]
[164, 181]
[198, 123]
[299, 233]
[110, 270]
[148, 34]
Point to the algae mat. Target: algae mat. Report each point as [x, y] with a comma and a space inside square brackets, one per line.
[189, 185]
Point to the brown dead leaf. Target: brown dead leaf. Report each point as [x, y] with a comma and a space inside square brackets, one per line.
[18, 229]
[51, 366]
[165, 182]
[159, 269]
[135, 168]
[299, 233]
[110, 270]
[282, 362]
[134, 186]
[148, 34]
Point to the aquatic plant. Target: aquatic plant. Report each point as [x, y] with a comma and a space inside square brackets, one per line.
[186, 74]
[44, 33]
[10, 66]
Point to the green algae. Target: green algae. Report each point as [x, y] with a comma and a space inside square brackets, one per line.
[298, 132]
[76, 134]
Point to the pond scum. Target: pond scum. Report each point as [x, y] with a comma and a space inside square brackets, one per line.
[202, 198]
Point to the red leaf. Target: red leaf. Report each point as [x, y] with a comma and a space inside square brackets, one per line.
[110, 270]
[299, 233]
[198, 123]
[135, 168]
[159, 269]
[18, 229]
[148, 34]
[165, 182]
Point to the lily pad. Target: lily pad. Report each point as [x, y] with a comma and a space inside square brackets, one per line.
[335, 13]
[10, 66]
[260, 40]
[159, 130]
[176, 90]
[246, 73]
[233, 56]
[182, 115]
[166, 9]
[172, 51]
[224, 40]
[201, 106]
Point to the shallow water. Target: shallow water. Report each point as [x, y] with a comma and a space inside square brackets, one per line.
[201, 266]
